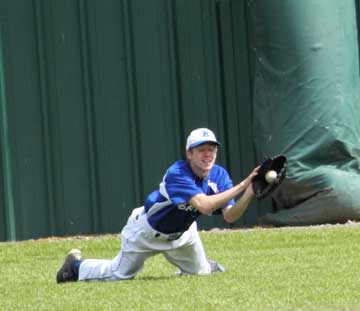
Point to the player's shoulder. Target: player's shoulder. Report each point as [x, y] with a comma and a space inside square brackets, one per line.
[218, 172]
[218, 169]
[179, 167]
[180, 170]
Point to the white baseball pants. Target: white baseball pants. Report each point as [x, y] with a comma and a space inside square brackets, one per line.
[139, 242]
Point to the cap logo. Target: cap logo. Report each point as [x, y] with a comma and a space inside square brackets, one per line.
[205, 134]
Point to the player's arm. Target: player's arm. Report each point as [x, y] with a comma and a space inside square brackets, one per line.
[206, 204]
[233, 212]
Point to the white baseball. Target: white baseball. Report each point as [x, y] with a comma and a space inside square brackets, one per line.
[270, 176]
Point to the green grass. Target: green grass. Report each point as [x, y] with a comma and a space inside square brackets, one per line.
[272, 269]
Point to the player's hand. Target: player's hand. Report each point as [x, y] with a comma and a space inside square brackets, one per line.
[247, 182]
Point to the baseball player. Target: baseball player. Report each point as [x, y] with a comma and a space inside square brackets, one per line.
[166, 223]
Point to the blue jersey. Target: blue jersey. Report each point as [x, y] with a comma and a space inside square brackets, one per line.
[168, 209]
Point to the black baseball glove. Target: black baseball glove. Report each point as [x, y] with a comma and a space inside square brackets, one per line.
[263, 187]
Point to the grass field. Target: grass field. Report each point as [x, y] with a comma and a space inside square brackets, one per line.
[272, 269]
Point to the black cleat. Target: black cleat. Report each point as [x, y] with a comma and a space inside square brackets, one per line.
[65, 274]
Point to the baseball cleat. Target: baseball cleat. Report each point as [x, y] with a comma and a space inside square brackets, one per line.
[215, 266]
[65, 274]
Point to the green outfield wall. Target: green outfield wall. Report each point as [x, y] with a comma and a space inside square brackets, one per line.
[97, 98]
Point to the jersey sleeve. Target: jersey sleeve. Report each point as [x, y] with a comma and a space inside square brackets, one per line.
[225, 185]
[180, 188]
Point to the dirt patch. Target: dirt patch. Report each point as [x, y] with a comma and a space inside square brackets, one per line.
[76, 238]
[213, 230]
[349, 224]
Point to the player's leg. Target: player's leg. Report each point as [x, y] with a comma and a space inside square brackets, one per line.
[129, 261]
[191, 257]
[124, 266]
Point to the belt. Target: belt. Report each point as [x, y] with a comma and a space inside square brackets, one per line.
[157, 234]
[168, 237]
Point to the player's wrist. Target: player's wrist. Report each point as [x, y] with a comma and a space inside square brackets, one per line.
[241, 187]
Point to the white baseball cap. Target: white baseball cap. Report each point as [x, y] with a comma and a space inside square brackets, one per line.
[200, 136]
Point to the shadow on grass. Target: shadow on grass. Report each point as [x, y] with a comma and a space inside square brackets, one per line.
[157, 278]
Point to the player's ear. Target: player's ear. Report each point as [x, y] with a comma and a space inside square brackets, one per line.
[189, 153]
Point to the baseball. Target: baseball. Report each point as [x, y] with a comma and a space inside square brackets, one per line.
[270, 176]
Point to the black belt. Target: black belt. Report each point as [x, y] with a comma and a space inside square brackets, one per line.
[169, 236]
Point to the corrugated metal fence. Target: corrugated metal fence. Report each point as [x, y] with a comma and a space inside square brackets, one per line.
[97, 98]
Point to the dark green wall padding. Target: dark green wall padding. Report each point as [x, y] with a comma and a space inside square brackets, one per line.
[306, 105]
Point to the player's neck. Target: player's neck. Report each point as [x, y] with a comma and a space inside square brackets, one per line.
[203, 174]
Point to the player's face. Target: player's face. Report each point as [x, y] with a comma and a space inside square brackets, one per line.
[202, 159]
